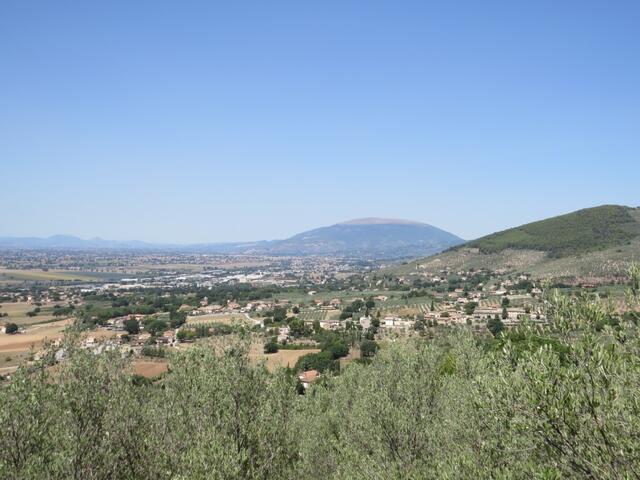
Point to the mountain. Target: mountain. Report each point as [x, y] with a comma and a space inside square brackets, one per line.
[593, 242]
[367, 238]
[69, 242]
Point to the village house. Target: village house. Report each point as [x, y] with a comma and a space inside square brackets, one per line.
[390, 321]
[141, 339]
[283, 334]
[330, 324]
[263, 306]
[396, 324]
[168, 338]
[308, 377]
[215, 308]
[117, 323]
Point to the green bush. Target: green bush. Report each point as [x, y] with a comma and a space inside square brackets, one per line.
[322, 361]
[154, 351]
[10, 328]
[271, 346]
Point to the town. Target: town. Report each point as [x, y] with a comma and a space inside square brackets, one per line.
[287, 307]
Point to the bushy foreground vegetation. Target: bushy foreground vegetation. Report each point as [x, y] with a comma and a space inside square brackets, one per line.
[552, 402]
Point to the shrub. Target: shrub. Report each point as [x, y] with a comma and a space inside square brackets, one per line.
[132, 326]
[271, 346]
[368, 348]
[10, 328]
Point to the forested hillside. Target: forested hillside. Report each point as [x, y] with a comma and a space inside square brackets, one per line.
[578, 232]
[593, 243]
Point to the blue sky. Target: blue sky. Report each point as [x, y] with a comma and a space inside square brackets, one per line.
[215, 121]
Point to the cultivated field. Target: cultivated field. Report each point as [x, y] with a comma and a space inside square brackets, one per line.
[9, 361]
[225, 318]
[404, 307]
[18, 276]
[345, 296]
[283, 358]
[17, 313]
[33, 336]
[150, 368]
[16, 349]
[312, 315]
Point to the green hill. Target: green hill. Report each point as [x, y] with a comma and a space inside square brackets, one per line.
[583, 231]
[592, 243]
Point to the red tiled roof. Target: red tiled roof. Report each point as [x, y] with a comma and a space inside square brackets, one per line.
[308, 376]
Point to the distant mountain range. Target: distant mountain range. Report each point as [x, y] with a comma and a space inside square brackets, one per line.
[69, 242]
[377, 238]
[593, 242]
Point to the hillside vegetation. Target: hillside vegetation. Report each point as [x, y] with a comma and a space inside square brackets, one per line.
[552, 402]
[594, 243]
[583, 231]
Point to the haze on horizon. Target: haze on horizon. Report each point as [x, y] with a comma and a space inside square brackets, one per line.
[199, 122]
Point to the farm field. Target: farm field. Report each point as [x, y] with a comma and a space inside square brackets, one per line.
[493, 302]
[179, 267]
[395, 306]
[312, 315]
[34, 335]
[18, 347]
[150, 368]
[282, 358]
[18, 276]
[228, 319]
[345, 296]
[9, 361]
[17, 312]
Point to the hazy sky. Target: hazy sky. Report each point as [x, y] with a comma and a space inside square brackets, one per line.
[213, 121]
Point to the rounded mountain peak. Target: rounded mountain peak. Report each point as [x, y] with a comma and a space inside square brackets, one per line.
[379, 221]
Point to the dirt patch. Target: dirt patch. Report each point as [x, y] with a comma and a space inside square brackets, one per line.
[408, 312]
[34, 336]
[149, 368]
[284, 358]
[354, 354]
[101, 333]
